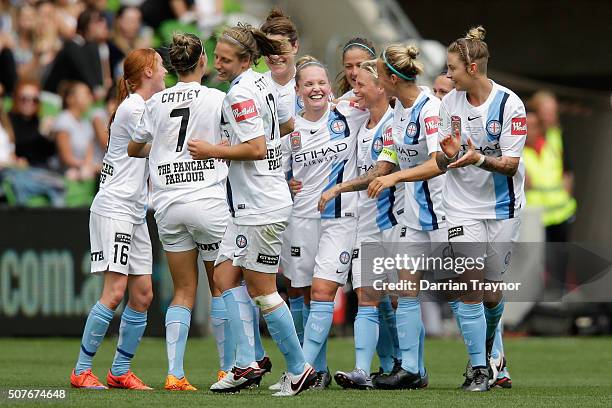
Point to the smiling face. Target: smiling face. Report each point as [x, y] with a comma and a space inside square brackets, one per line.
[368, 90]
[442, 85]
[282, 64]
[313, 87]
[227, 62]
[352, 59]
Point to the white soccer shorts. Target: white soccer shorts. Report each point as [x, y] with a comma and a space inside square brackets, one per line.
[119, 246]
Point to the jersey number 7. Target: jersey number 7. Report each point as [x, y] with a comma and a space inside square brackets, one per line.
[183, 113]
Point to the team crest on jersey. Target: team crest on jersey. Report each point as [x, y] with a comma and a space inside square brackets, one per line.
[338, 126]
[494, 128]
[456, 125]
[377, 145]
[244, 110]
[412, 129]
[296, 141]
[241, 241]
[345, 257]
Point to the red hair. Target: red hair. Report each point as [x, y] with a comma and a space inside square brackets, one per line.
[133, 66]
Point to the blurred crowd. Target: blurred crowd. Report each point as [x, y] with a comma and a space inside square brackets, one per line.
[59, 60]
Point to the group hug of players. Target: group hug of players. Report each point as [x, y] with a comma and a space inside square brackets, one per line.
[279, 173]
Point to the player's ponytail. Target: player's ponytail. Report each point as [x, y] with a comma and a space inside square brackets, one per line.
[401, 61]
[133, 67]
[185, 52]
[277, 23]
[250, 42]
[472, 48]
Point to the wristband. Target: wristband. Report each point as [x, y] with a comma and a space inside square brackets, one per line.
[480, 161]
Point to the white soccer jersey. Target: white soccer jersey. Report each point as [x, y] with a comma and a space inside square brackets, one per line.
[497, 128]
[173, 117]
[286, 95]
[414, 139]
[376, 215]
[123, 179]
[255, 189]
[323, 154]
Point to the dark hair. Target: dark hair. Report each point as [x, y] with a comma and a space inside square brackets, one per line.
[250, 42]
[67, 88]
[279, 24]
[185, 52]
[86, 18]
[364, 44]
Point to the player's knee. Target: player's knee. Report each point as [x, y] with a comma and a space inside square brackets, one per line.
[322, 293]
[268, 303]
[142, 300]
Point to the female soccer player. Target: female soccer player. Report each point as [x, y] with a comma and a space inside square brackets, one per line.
[323, 152]
[377, 222]
[260, 204]
[120, 244]
[188, 195]
[355, 51]
[282, 76]
[483, 130]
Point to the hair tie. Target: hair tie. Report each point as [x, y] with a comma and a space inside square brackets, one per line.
[347, 46]
[235, 41]
[395, 71]
[301, 66]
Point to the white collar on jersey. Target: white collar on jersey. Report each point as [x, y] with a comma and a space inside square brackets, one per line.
[237, 79]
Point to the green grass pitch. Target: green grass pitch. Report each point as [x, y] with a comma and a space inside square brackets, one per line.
[551, 372]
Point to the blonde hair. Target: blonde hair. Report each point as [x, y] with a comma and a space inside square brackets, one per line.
[402, 61]
[251, 42]
[472, 48]
[370, 67]
[306, 61]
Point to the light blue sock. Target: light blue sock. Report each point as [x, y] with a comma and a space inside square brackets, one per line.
[366, 336]
[282, 331]
[422, 350]
[222, 333]
[498, 344]
[260, 352]
[454, 304]
[93, 334]
[474, 329]
[493, 316]
[240, 315]
[387, 347]
[316, 332]
[408, 316]
[178, 320]
[296, 305]
[305, 314]
[133, 324]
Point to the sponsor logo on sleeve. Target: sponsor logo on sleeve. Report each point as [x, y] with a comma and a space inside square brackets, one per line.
[244, 110]
[431, 124]
[455, 232]
[518, 126]
[267, 259]
[388, 136]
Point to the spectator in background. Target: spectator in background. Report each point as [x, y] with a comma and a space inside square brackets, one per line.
[47, 40]
[128, 31]
[66, 15]
[8, 68]
[74, 133]
[79, 58]
[8, 158]
[30, 142]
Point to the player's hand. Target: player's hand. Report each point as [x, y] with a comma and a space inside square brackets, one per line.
[451, 144]
[326, 197]
[380, 183]
[199, 149]
[471, 156]
[295, 186]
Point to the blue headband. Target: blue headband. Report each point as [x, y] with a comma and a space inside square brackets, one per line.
[347, 46]
[395, 71]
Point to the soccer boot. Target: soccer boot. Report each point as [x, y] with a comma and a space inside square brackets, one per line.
[503, 379]
[178, 384]
[357, 379]
[221, 374]
[127, 381]
[238, 378]
[469, 374]
[87, 380]
[265, 366]
[400, 380]
[496, 365]
[425, 379]
[480, 380]
[323, 380]
[291, 385]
